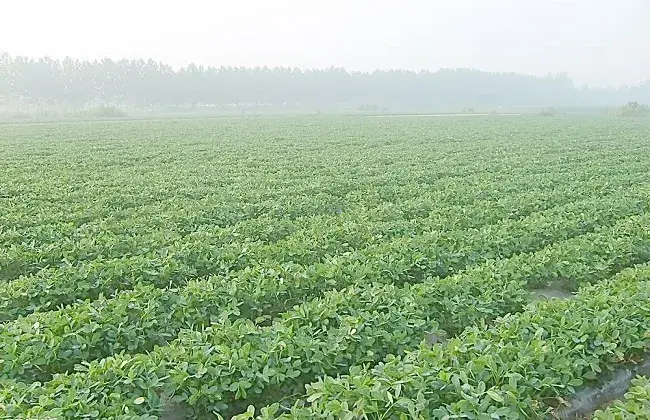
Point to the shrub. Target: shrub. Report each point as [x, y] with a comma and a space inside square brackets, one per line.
[547, 112]
[633, 109]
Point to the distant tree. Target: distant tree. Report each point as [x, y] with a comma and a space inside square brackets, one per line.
[6, 78]
[633, 109]
[149, 84]
[547, 112]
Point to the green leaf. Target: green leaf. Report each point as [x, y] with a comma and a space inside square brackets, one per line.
[576, 382]
[314, 397]
[494, 395]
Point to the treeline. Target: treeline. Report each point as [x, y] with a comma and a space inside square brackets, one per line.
[149, 84]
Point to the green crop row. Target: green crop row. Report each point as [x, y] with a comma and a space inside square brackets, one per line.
[51, 199]
[225, 199]
[224, 367]
[78, 173]
[519, 368]
[636, 404]
[52, 245]
[134, 237]
[436, 253]
[187, 267]
[145, 317]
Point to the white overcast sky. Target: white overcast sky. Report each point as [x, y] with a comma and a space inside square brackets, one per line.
[599, 42]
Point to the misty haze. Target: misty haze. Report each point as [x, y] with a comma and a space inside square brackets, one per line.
[336, 210]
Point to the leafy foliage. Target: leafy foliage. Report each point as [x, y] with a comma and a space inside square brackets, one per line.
[140, 319]
[208, 267]
[636, 404]
[513, 369]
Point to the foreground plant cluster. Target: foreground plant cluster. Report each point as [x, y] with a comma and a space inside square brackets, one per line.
[322, 268]
[635, 405]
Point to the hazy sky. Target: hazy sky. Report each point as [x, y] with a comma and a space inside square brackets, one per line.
[597, 41]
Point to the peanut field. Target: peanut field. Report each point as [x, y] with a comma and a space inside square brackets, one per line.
[322, 267]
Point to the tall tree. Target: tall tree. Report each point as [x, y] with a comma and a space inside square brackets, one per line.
[140, 83]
